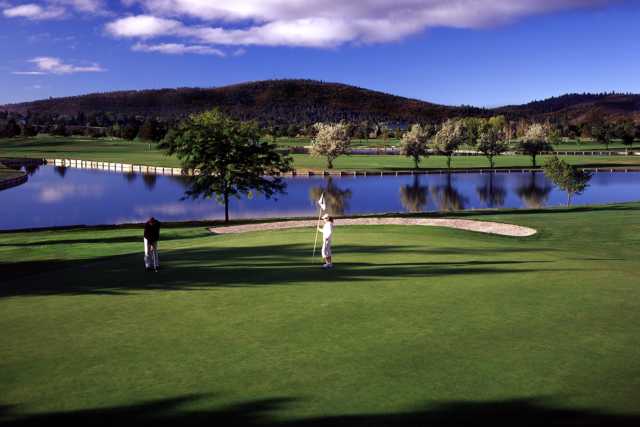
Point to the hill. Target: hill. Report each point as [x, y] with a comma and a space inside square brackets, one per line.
[578, 108]
[277, 101]
[299, 102]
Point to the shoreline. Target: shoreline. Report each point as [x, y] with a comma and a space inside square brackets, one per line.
[168, 171]
[407, 215]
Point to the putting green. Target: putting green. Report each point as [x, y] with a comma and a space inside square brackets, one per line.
[246, 328]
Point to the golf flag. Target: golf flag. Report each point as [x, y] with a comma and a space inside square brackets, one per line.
[321, 203]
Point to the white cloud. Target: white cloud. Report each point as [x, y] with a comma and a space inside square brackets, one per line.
[34, 12]
[50, 65]
[29, 73]
[321, 23]
[178, 49]
[143, 26]
[53, 9]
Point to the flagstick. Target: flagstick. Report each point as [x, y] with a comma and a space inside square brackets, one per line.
[316, 241]
[322, 206]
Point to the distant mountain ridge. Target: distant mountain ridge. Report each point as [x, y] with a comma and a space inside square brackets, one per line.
[309, 101]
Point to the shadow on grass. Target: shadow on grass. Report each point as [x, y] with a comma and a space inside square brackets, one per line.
[267, 412]
[208, 268]
[99, 240]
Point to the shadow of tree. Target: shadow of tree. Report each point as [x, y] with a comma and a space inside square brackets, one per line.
[99, 240]
[529, 412]
[207, 267]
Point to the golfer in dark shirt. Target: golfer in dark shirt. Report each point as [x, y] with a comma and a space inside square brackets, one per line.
[151, 237]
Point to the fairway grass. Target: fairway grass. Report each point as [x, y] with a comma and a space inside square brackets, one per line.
[141, 153]
[247, 328]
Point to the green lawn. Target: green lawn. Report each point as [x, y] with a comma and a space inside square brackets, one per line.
[429, 324]
[389, 162]
[141, 153]
[105, 150]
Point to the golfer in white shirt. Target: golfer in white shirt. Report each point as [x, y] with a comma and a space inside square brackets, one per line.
[327, 231]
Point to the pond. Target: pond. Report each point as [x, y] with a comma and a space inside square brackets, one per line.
[59, 196]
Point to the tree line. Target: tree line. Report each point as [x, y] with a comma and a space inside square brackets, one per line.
[491, 137]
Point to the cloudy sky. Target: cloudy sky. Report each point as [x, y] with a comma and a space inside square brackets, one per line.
[480, 52]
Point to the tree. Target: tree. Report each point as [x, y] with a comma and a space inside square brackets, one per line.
[535, 141]
[59, 130]
[292, 131]
[11, 129]
[491, 142]
[448, 139]
[601, 132]
[555, 136]
[566, 177]
[229, 156]
[130, 131]
[627, 133]
[414, 143]
[149, 131]
[27, 130]
[472, 126]
[331, 141]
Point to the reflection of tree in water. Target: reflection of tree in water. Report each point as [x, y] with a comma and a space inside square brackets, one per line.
[60, 170]
[130, 177]
[149, 181]
[31, 169]
[447, 197]
[337, 199]
[491, 193]
[414, 197]
[532, 194]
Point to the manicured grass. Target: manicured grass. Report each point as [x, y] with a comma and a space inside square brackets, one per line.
[377, 142]
[387, 162]
[117, 151]
[246, 328]
[135, 152]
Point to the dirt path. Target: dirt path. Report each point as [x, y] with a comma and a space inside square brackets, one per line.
[462, 224]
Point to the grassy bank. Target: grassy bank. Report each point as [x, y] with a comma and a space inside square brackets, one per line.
[414, 325]
[8, 173]
[135, 152]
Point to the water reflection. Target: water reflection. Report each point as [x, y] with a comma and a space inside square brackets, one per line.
[60, 170]
[447, 197]
[534, 190]
[414, 197]
[130, 177]
[31, 169]
[337, 199]
[67, 196]
[149, 181]
[492, 193]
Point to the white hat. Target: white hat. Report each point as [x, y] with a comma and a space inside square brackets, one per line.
[325, 217]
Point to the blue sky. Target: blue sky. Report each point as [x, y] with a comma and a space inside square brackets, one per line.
[477, 52]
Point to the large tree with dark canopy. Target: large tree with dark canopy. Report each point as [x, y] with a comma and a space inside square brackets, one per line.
[228, 157]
